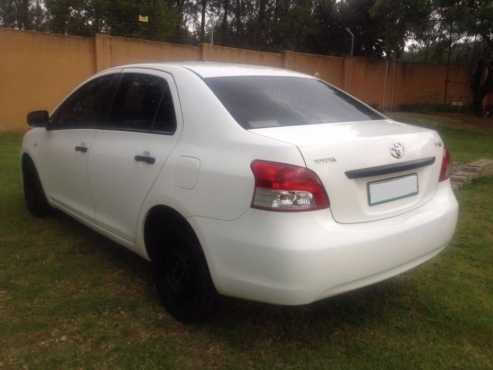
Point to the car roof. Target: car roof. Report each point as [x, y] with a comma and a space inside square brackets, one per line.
[214, 69]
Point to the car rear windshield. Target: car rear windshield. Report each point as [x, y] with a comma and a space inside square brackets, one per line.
[272, 101]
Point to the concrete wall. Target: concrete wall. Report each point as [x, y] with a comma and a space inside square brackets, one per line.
[218, 53]
[330, 69]
[37, 70]
[425, 84]
[113, 51]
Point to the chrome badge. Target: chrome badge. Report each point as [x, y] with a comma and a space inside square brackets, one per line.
[324, 160]
[397, 150]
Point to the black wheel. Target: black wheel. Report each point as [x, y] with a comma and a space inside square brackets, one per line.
[182, 277]
[34, 195]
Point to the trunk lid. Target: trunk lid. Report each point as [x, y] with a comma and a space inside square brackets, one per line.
[364, 150]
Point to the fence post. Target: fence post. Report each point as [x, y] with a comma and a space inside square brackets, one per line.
[102, 51]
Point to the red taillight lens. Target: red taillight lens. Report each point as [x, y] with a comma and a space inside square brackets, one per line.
[446, 161]
[284, 187]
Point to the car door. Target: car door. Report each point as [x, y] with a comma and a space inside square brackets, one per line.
[128, 154]
[68, 141]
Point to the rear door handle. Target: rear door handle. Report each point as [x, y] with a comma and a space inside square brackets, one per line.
[145, 158]
[81, 148]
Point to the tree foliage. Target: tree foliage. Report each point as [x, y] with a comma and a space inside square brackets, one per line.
[382, 28]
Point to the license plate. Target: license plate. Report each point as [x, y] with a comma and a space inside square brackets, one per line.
[392, 189]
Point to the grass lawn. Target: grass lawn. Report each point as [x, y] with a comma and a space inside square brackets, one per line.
[72, 299]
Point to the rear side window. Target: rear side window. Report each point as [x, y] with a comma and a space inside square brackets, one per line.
[272, 101]
[143, 102]
[88, 106]
[165, 119]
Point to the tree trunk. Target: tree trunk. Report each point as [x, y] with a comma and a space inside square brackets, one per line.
[224, 24]
[260, 31]
[202, 20]
[238, 19]
[23, 21]
[179, 24]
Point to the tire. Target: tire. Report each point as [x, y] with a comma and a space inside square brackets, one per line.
[34, 195]
[182, 277]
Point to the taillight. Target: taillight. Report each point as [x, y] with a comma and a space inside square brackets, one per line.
[284, 187]
[446, 161]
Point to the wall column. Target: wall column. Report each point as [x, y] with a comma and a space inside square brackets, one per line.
[284, 59]
[205, 51]
[348, 73]
[102, 51]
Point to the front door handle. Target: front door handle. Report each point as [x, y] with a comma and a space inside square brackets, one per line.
[145, 158]
[81, 148]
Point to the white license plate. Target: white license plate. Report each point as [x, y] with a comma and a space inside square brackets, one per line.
[392, 189]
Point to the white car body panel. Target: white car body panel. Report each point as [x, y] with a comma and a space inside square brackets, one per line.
[354, 145]
[301, 258]
[114, 175]
[65, 173]
[203, 172]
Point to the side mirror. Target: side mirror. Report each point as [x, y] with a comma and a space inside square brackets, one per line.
[38, 118]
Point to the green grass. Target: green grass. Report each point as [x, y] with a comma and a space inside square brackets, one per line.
[72, 299]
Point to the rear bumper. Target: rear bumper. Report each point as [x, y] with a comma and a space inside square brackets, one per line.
[299, 258]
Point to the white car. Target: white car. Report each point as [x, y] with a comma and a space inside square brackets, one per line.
[244, 181]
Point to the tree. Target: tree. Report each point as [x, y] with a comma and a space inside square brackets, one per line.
[16, 14]
[441, 29]
[398, 21]
[369, 33]
[8, 13]
[38, 17]
[328, 34]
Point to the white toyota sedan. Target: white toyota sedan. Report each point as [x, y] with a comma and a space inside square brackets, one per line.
[244, 181]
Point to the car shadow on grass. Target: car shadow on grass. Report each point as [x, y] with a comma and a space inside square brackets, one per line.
[356, 309]
[363, 308]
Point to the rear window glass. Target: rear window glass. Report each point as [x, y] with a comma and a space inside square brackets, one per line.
[271, 101]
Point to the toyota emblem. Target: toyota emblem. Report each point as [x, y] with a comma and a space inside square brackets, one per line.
[397, 150]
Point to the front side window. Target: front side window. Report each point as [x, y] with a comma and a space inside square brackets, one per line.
[273, 101]
[143, 103]
[89, 105]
